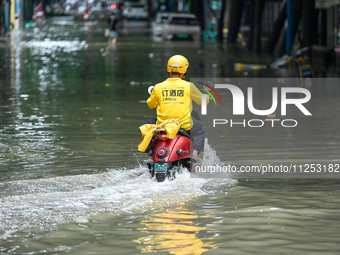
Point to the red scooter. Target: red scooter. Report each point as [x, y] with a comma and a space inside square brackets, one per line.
[169, 156]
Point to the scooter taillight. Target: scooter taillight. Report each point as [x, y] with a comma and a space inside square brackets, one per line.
[162, 152]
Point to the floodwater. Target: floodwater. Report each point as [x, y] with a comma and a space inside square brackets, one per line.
[73, 182]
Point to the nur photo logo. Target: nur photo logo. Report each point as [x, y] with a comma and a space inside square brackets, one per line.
[210, 91]
[279, 100]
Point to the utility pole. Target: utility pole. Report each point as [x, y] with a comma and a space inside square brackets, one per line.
[236, 9]
[13, 12]
[289, 31]
[255, 41]
[308, 23]
[221, 21]
[277, 29]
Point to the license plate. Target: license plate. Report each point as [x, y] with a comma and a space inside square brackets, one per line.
[161, 167]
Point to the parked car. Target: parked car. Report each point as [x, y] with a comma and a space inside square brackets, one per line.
[176, 26]
[135, 11]
[157, 25]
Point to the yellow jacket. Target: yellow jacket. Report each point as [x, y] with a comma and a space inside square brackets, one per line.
[171, 127]
[173, 99]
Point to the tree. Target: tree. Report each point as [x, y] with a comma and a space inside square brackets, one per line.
[221, 21]
[197, 7]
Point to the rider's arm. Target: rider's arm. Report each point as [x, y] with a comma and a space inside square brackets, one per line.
[152, 100]
[196, 94]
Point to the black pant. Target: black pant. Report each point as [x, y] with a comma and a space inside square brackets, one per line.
[197, 134]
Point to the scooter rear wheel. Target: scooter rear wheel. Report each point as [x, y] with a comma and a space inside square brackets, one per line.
[160, 177]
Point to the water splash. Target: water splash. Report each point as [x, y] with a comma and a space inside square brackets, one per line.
[48, 46]
[44, 204]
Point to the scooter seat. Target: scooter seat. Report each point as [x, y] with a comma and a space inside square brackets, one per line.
[183, 132]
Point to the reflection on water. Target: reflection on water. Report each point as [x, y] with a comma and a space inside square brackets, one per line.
[178, 231]
[278, 217]
[69, 116]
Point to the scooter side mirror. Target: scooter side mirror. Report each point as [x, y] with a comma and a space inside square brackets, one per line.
[150, 89]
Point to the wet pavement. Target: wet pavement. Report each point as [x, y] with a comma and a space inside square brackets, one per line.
[72, 180]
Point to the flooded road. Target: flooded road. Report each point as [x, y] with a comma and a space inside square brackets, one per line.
[72, 180]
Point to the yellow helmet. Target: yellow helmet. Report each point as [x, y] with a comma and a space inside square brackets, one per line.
[178, 64]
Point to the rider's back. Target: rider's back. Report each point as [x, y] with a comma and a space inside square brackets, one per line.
[172, 98]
